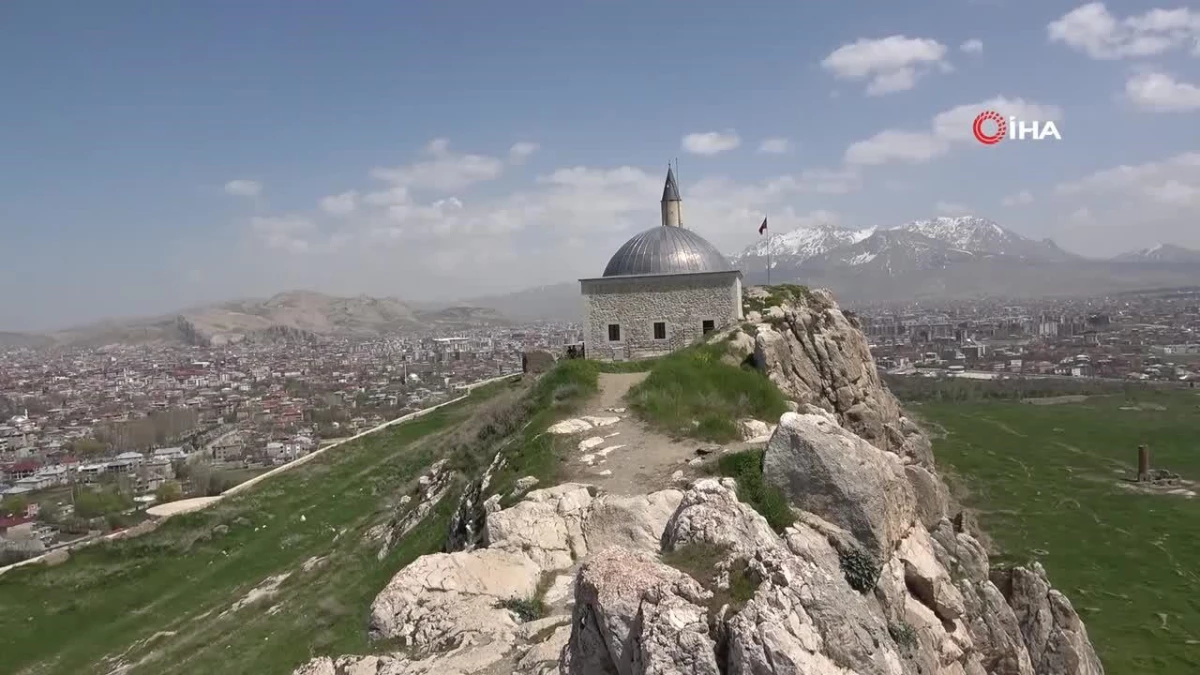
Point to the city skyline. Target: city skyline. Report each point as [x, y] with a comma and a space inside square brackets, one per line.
[164, 157]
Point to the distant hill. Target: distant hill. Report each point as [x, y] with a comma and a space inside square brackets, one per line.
[1161, 253]
[556, 302]
[290, 315]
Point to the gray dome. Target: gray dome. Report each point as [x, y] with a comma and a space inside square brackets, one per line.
[666, 250]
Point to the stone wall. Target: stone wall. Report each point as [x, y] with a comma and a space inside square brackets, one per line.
[682, 301]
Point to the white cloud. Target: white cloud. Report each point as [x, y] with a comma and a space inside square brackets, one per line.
[774, 146]
[1093, 30]
[914, 147]
[1081, 215]
[340, 204]
[890, 64]
[443, 172]
[569, 220]
[521, 151]
[1021, 198]
[285, 233]
[972, 46]
[243, 188]
[1159, 92]
[711, 142]
[1172, 183]
[1132, 206]
[947, 128]
[952, 209]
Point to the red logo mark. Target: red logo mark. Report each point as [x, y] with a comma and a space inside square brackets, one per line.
[986, 138]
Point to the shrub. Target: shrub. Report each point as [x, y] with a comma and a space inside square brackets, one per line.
[904, 634]
[859, 568]
[526, 609]
[768, 500]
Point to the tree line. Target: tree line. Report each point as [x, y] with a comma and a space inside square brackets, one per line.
[916, 388]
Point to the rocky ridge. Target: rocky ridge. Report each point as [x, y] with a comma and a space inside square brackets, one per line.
[878, 575]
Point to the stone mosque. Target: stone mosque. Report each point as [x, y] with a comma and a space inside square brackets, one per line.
[661, 291]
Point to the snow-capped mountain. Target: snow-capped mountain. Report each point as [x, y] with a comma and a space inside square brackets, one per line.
[1161, 253]
[892, 252]
[953, 257]
[804, 243]
[916, 245]
[983, 236]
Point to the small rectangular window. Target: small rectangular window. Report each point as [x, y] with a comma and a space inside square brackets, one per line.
[614, 332]
[660, 330]
[708, 327]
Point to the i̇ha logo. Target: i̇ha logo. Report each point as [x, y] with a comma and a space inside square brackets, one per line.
[990, 128]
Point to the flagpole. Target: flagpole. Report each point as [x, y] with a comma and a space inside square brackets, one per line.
[768, 252]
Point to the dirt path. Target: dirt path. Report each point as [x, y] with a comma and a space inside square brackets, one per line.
[625, 457]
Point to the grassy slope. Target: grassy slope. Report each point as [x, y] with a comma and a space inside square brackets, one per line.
[160, 597]
[1044, 478]
[693, 393]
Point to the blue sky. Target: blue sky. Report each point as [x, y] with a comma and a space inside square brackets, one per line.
[157, 155]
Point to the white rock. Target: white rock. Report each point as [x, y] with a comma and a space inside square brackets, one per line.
[603, 452]
[752, 428]
[568, 427]
[589, 443]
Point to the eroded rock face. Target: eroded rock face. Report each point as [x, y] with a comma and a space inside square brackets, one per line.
[1057, 640]
[817, 356]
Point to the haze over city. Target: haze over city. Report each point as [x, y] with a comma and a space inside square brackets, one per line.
[157, 157]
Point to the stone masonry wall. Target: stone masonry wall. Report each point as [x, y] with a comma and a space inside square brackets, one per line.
[683, 302]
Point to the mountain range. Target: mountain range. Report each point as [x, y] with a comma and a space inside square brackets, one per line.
[940, 258]
[294, 315]
[958, 257]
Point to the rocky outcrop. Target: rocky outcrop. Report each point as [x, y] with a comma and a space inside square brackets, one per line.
[1056, 638]
[817, 356]
[877, 576]
[432, 487]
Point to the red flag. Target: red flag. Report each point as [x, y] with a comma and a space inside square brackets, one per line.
[763, 228]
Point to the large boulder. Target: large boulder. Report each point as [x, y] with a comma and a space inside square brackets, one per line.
[710, 513]
[634, 615]
[829, 471]
[559, 526]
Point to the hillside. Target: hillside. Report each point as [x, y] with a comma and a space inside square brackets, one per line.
[290, 315]
[475, 541]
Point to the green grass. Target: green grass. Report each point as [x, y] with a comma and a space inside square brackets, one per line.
[530, 451]
[157, 601]
[746, 468]
[777, 295]
[1044, 479]
[693, 393]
